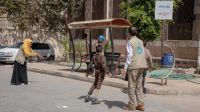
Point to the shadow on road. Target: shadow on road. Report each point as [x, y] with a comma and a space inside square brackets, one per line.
[69, 69]
[82, 97]
[32, 82]
[125, 91]
[156, 83]
[111, 104]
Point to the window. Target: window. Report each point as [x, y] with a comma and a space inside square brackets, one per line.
[35, 46]
[45, 46]
[40, 46]
[17, 45]
[118, 33]
[183, 18]
[98, 12]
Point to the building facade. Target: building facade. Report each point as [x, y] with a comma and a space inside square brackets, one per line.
[183, 36]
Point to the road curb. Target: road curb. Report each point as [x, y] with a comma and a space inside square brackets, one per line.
[114, 84]
[86, 79]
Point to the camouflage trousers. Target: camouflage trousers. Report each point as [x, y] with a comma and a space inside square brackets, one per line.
[135, 90]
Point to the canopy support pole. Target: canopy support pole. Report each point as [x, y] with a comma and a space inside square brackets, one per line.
[112, 46]
[90, 50]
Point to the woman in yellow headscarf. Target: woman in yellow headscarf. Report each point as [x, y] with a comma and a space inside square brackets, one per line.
[19, 75]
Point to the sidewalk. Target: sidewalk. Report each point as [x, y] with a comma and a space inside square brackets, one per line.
[174, 87]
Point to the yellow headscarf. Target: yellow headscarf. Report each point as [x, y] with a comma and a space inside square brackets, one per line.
[27, 48]
[27, 43]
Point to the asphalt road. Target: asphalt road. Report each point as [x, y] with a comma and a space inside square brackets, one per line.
[47, 93]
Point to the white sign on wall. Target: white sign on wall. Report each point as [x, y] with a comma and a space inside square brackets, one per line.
[164, 10]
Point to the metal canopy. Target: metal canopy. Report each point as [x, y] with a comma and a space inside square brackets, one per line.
[99, 24]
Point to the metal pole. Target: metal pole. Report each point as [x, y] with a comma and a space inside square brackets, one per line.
[90, 50]
[112, 46]
[162, 37]
[198, 63]
[107, 16]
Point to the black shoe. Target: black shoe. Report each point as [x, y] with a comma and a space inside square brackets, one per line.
[95, 101]
[87, 98]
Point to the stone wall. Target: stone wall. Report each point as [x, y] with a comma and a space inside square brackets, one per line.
[183, 49]
[186, 52]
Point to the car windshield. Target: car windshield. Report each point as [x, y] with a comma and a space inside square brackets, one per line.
[17, 45]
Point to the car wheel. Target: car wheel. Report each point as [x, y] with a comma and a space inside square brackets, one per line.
[51, 58]
[2, 62]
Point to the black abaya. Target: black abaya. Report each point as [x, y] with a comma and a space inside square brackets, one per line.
[19, 75]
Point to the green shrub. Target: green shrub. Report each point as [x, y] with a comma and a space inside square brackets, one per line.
[65, 43]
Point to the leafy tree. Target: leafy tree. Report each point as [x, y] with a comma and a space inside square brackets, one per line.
[141, 14]
[42, 14]
[16, 12]
[76, 9]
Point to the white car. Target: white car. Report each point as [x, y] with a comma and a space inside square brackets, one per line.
[8, 54]
[1, 46]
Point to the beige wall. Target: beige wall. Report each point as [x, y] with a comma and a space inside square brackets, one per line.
[186, 52]
[183, 49]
